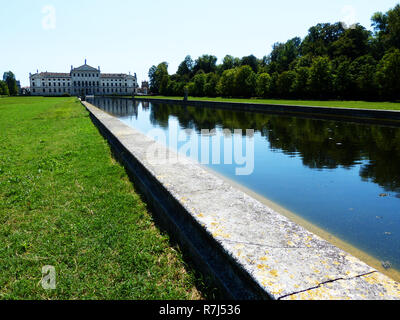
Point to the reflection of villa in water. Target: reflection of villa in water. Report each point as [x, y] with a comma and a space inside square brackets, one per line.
[119, 107]
[82, 80]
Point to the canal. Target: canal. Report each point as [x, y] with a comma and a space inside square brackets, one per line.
[341, 176]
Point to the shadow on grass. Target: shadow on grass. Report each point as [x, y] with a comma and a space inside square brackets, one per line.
[204, 284]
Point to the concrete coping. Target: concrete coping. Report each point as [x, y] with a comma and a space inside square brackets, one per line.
[285, 260]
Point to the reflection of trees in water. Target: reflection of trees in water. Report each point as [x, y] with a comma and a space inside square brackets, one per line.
[320, 144]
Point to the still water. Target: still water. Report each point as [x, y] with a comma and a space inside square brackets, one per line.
[343, 177]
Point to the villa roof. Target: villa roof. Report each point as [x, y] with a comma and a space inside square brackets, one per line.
[53, 74]
[113, 75]
[85, 67]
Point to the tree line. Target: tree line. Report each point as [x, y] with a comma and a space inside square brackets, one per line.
[332, 62]
[8, 86]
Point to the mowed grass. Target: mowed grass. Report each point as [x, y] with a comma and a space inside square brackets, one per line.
[65, 202]
[312, 103]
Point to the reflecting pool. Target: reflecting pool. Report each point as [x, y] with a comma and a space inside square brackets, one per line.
[343, 177]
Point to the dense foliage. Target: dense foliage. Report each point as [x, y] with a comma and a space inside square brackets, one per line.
[9, 85]
[332, 62]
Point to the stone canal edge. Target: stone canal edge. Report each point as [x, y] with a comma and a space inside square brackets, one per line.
[246, 249]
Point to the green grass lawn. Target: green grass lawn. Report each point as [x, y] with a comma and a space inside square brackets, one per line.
[326, 103]
[65, 202]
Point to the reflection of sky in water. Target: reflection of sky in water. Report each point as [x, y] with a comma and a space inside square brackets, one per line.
[335, 197]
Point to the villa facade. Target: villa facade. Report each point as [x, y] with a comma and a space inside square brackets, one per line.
[82, 80]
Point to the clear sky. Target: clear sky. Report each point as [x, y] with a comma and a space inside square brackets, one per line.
[130, 35]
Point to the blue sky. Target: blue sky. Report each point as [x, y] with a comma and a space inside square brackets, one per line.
[131, 36]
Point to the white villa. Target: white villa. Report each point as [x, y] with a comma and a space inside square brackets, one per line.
[82, 80]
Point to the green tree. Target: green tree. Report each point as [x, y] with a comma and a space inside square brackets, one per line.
[363, 71]
[159, 78]
[229, 62]
[245, 82]
[283, 54]
[251, 61]
[186, 67]
[210, 87]
[273, 87]
[226, 84]
[199, 81]
[9, 78]
[353, 43]
[263, 85]
[320, 38]
[387, 27]
[300, 85]
[321, 77]
[152, 79]
[190, 87]
[343, 80]
[285, 83]
[4, 89]
[388, 75]
[207, 63]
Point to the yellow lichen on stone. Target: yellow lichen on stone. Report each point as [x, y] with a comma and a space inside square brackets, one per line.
[389, 286]
[277, 292]
[274, 273]
[290, 243]
[320, 293]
